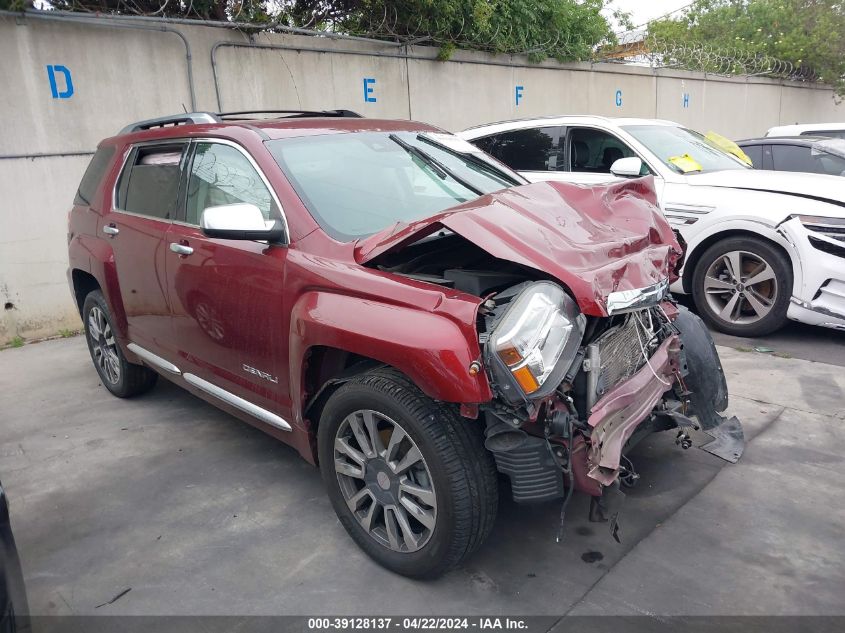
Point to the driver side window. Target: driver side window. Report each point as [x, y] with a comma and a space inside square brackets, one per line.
[594, 151]
[221, 174]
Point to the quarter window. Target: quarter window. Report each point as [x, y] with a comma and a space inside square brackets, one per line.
[149, 184]
[93, 175]
[220, 175]
[535, 149]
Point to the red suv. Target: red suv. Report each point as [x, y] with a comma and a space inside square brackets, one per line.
[401, 308]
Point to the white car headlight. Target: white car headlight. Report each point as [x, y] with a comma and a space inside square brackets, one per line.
[833, 228]
[536, 341]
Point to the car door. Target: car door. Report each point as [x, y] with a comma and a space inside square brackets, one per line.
[227, 296]
[590, 152]
[536, 153]
[142, 209]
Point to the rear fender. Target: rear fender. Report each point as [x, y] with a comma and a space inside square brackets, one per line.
[430, 348]
[99, 256]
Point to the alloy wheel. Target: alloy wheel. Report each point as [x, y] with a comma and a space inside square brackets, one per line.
[103, 345]
[740, 287]
[385, 481]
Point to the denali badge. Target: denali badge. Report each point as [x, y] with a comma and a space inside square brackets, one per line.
[260, 374]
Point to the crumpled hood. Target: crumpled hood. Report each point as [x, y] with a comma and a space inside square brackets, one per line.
[595, 240]
[815, 186]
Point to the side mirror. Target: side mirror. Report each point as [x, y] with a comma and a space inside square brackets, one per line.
[627, 167]
[240, 221]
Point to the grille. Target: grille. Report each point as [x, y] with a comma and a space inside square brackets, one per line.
[619, 354]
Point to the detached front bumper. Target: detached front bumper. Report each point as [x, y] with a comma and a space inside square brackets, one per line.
[621, 410]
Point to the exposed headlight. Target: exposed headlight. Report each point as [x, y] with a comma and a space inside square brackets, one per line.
[833, 228]
[536, 341]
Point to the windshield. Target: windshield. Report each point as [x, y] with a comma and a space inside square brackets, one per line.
[356, 184]
[682, 150]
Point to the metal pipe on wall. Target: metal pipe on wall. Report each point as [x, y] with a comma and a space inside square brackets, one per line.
[44, 155]
[69, 16]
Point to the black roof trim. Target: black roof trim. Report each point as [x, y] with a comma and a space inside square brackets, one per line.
[199, 118]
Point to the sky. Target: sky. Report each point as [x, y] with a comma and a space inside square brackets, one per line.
[644, 10]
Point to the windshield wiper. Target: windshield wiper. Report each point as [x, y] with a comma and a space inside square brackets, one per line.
[475, 160]
[436, 166]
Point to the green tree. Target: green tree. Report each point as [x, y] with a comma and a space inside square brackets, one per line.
[807, 35]
[563, 29]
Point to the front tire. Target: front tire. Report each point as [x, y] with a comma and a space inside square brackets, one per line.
[119, 376]
[409, 479]
[741, 286]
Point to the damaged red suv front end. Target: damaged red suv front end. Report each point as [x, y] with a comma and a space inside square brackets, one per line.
[405, 311]
[589, 354]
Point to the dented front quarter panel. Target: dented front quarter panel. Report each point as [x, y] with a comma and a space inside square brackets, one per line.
[595, 240]
[425, 331]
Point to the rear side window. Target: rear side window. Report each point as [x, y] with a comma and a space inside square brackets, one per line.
[93, 175]
[793, 158]
[535, 149]
[149, 184]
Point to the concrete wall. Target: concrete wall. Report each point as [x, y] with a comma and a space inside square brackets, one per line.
[130, 70]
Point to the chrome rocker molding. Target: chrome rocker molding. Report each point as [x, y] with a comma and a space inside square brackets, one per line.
[630, 300]
[221, 394]
[239, 403]
[153, 359]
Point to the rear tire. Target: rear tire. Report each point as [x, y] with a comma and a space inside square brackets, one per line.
[751, 301]
[422, 521]
[119, 376]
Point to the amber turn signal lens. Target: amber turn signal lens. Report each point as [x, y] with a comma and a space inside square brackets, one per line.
[526, 379]
[510, 356]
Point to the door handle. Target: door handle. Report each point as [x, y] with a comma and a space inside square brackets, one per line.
[181, 249]
[111, 229]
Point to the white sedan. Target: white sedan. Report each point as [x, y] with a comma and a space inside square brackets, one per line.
[762, 246]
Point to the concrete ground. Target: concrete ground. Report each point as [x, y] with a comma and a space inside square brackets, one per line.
[198, 513]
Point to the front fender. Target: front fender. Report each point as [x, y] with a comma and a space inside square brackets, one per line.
[705, 378]
[756, 226]
[430, 348]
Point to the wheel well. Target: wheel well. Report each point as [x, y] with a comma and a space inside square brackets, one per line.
[83, 284]
[695, 256]
[326, 370]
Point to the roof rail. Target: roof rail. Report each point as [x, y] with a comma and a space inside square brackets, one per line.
[292, 113]
[174, 119]
[196, 118]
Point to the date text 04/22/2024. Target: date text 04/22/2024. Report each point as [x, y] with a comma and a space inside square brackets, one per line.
[416, 623]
